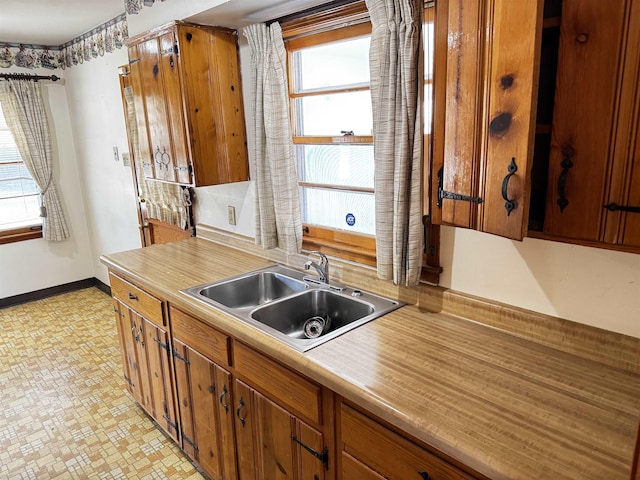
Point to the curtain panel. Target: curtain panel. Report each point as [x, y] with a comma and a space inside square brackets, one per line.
[396, 96]
[27, 119]
[278, 217]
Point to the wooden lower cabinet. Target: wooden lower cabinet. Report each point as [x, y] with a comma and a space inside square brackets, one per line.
[372, 451]
[145, 353]
[273, 443]
[204, 392]
[239, 414]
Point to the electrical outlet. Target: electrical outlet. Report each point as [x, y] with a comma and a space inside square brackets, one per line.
[116, 157]
[231, 212]
[125, 160]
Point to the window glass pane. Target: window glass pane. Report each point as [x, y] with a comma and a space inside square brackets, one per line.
[19, 212]
[428, 108]
[345, 165]
[354, 212]
[335, 64]
[8, 150]
[329, 115]
[19, 197]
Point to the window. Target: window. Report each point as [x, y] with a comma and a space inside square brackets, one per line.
[328, 62]
[332, 133]
[19, 194]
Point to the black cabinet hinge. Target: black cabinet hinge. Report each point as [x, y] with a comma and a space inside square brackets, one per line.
[164, 346]
[442, 193]
[180, 357]
[128, 380]
[135, 60]
[614, 207]
[170, 423]
[322, 456]
[189, 441]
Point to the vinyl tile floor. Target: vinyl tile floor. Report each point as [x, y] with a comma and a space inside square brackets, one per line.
[64, 410]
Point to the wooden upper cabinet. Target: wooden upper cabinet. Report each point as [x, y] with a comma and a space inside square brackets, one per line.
[187, 82]
[591, 35]
[482, 162]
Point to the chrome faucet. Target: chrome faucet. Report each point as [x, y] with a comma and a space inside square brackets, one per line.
[322, 269]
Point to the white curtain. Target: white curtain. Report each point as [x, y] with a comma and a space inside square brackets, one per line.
[278, 218]
[25, 114]
[396, 94]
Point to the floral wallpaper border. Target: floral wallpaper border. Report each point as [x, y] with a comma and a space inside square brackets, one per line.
[105, 38]
[132, 7]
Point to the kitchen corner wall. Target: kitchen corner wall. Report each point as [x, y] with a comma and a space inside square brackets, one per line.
[37, 264]
[97, 117]
[588, 285]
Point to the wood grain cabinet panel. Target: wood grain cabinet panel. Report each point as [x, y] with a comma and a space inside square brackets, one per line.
[204, 391]
[377, 452]
[481, 173]
[273, 443]
[289, 389]
[187, 82]
[145, 351]
[593, 175]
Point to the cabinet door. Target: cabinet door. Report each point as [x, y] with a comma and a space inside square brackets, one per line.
[481, 179]
[587, 83]
[128, 350]
[623, 224]
[170, 67]
[145, 394]
[142, 154]
[197, 398]
[156, 344]
[224, 405]
[273, 443]
[149, 56]
[244, 428]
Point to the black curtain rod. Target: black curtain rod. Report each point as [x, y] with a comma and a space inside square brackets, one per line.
[27, 76]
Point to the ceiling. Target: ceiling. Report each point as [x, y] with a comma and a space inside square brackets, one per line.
[54, 22]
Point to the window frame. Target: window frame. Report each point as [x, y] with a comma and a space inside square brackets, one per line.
[23, 232]
[307, 29]
[358, 247]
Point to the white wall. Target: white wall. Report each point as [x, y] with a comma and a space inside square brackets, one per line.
[37, 264]
[588, 285]
[97, 116]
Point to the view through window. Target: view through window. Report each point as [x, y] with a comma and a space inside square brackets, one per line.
[19, 202]
[332, 130]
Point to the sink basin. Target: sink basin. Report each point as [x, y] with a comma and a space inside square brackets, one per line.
[291, 307]
[249, 290]
[290, 315]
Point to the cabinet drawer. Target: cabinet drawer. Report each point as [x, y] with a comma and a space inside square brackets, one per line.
[146, 305]
[204, 339]
[389, 454]
[285, 387]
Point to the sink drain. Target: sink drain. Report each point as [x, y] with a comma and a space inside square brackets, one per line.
[316, 326]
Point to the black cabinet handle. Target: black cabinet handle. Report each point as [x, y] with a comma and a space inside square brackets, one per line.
[509, 203]
[132, 296]
[567, 164]
[240, 407]
[224, 394]
[424, 475]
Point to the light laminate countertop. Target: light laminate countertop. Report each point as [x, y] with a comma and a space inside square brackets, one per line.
[505, 407]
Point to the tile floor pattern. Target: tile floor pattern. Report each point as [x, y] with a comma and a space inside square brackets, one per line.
[64, 410]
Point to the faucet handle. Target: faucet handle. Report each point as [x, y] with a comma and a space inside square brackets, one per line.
[323, 258]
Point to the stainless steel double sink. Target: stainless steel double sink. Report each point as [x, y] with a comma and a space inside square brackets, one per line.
[291, 306]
